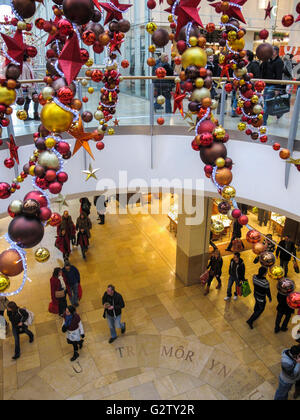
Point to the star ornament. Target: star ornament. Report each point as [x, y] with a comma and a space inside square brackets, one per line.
[178, 99]
[234, 10]
[13, 149]
[186, 11]
[114, 10]
[61, 201]
[15, 48]
[268, 10]
[116, 43]
[91, 173]
[70, 59]
[82, 138]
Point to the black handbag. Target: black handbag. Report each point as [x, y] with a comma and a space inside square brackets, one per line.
[279, 105]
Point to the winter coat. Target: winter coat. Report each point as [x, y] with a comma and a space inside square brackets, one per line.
[289, 246]
[68, 226]
[85, 206]
[290, 372]
[272, 69]
[55, 286]
[253, 67]
[85, 224]
[75, 330]
[215, 265]
[82, 240]
[116, 300]
[261, 288]
[237, 270]
[62, 242]
[72, 276]
[283, 307]
[21, 315]
[237, 229]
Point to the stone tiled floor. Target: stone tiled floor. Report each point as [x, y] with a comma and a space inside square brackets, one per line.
[179, 344]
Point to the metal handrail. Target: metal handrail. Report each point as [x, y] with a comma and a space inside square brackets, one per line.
[217, 79]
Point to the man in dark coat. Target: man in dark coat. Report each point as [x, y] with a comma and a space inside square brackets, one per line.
[283, 310]
[236, 275]
[164, 87]
[253, 66]
[236, 234]
[73, 279]
[261, 292]
[285, 257]
[18, 317]
[113, 304]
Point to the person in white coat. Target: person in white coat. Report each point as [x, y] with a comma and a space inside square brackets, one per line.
[73, 327]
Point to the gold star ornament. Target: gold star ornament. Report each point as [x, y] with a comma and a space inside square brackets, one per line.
[61, 201]
[91, 173]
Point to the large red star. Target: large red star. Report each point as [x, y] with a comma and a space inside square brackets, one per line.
[234, 10]
[186, 11]
[82, 138]
[268, 11]
[15, 48]
[52, 38]
[96, 3]
[70, 59]
[114, 10]
[116, 43]
[13, 149]
[178, 99]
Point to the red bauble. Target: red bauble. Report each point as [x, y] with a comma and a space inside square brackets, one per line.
[9, 163]
[31, 51]
[125, 64]
[55, 187]
[264, 139]
[253, 236]
[65, 95]
[210, 27]
[293, 300]
[206, 126]
[160, 121]
[161, 73]
[62, 177]
[65, 27]
[195, 146]
[236, 213]
[97, 76]
[55, 220]
[264, 34]
[228, 87]
[84, 54]
[206, 139]
[151, 4]
[276, 146]
[100, 145]
[181, 46]
[45, 214]
[243, 220]
[36, 195]
[88, 38]
[50, 175]
[4, 190]
[208, 169]
[287, 20]
[42, 183]
[63, 147]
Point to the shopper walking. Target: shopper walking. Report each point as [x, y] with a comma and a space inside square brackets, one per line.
[73, 327]
[215, 265]
[253, 66]
[290, 372]
[18, 318]
[113, 304]
[83, 226]
[72, 276]
[85, 206]
[236, 234]
[66, 233]
[59, 290]
[84, 222]
[285, 257]
[29, 89]
[283, 311]
[236, 275]
[101, 204]
[261, 292]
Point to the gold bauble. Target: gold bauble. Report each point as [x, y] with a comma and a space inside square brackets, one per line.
[50, 142]
[276, 272]
[152, 49]
[263, 130]
[209, 52]
[199, 94]
[56, 119]
[199, 82]
[161, 100]
[4, 282]
[219, 132]
[193, 41]
[20, 179]
[31, 170]
[21, 25]
[217, 227]
[242, 126]
[254, 99]
[228, 192]
[90, 62]
[16, 206]
[98, 115]
[194, 56]
[221, 58]
[42, 255]
[170, 18]
[91, 90]
[214, 104]
[220, 162]
[151, 27]
[84, 82]
[225, 19]
[237, 45]
[110, 131]
[22, 115]
[7, 96]
[240, 104]
[232, 35]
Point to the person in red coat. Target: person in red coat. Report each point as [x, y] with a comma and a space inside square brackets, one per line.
[58, 283]
[66, 232]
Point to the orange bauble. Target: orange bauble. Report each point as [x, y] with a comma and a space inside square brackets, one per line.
[104, 39]
[160, 121]
[206, 102]
[76, 104]
[285, 154]
[253, 236]
[11, 84]
[10, 263]
[151, 62]
[201, 41]
[224, 176]
[258, 248]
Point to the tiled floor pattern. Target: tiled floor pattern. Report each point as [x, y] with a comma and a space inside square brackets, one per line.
[179, 344]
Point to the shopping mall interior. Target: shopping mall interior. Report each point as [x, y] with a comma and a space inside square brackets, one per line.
[135, 143]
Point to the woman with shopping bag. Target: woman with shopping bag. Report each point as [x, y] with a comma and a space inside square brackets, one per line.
[215, 270]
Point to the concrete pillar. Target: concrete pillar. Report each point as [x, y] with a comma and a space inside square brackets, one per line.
[193, 246]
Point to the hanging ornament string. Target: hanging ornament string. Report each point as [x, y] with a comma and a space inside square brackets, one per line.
[188, 33]
[22, 254]
[66, 108]
[174, 9]
[202, 119]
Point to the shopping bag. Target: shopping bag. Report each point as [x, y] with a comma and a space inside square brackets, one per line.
[279, 105]
[239, 290]
[2, 328]
[237, 245]
[204, 278]
[296, 267]
[246, 289]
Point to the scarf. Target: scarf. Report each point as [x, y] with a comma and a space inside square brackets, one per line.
[62, 282]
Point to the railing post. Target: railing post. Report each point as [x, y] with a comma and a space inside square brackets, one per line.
[292, 135]
[223, 105]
